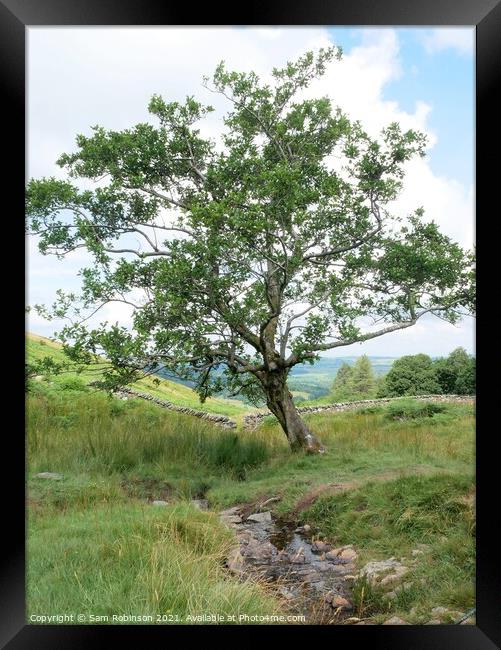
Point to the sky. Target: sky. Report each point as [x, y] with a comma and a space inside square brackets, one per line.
[423, 78]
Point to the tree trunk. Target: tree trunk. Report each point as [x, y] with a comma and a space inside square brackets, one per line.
[280, 403]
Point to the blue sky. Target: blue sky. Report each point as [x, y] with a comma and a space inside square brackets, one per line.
[422, 77]
[444, 79]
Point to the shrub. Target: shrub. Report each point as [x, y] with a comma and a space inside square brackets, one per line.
[412, 409]
[72, 383]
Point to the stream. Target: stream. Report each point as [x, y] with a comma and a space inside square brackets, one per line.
[312, 578]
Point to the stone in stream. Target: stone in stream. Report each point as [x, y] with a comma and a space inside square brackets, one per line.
[50, 475]
[260, 517]
[259, 551]
[231, 519]
[337, 601]
[320, 547]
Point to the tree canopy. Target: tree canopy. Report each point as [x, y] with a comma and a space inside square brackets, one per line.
[254, 252]
[411, 375]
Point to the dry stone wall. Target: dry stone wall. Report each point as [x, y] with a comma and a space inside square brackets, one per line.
[255, 419]
[221, 420]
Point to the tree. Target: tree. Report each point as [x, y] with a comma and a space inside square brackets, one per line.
[411, 375]
[255, 253]
[341, 387]
[466, 383]
[456, 373]
[363, 380]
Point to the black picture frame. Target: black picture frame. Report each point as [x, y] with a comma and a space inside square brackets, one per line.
[15, 16]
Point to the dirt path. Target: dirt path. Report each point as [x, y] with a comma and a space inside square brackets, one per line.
[326, 489]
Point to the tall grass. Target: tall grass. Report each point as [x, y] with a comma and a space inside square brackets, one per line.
[124, 559]
[76, 430]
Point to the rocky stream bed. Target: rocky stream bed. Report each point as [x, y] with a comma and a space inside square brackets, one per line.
[312, 578]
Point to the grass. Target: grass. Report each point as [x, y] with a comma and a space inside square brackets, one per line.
[390, 519]
[96, 544]
[360, 446]
[89, 433]
[123, 559]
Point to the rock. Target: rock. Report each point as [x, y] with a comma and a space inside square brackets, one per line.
[339, 569]
[50, 475]
[257, 550]
[201, 504]
[260, 517]
[337, 601]
[417, 551]
[348, 554]
[395, 620]
[394, 577]
[341, 602]
[159, 502]
[320, 547]
[235, 562]
[332, 555]
[352, 620]
[229, 512]
[434, 621]
[231, 519]
[373, 570]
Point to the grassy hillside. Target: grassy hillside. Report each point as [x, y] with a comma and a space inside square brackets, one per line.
[97, 544]
[38, 347]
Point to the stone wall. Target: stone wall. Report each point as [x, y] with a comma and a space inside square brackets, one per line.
[255, 419]
[221, 420]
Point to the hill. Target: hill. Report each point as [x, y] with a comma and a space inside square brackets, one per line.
[38, 347]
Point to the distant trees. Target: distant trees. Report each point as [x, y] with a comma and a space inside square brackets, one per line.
[456, 373]
[363, 379]
[411, 375]
[341, 388]
[353, 383]
[420, 375]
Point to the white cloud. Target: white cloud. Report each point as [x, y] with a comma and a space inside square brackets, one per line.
[81, 77]
[459, 39]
